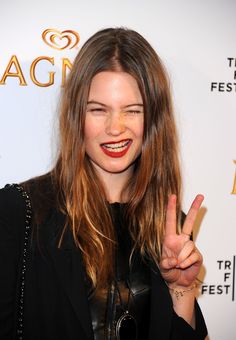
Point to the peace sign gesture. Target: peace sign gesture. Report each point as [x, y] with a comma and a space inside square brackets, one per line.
[180, 260]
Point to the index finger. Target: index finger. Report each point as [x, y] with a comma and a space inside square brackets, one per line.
[171, 216]
[192, 214]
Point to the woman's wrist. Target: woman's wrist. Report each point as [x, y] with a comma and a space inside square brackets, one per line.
[180, 291]
[183, 298]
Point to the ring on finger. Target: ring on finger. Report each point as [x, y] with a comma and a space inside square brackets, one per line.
[189, 235]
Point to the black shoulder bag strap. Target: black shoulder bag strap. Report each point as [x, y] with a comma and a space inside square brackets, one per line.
[22, 266]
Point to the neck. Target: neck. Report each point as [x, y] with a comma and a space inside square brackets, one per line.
[115, 185]
[115, 188]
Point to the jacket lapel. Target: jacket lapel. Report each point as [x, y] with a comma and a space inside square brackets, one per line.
[67, 262]
[161, 307]
[68, 265]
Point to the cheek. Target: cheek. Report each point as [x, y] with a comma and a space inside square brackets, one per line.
[138, 129]
[92, 129]
[136, 126]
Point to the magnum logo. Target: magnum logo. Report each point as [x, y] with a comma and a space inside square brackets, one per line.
[18, 73]
[234, 185]
[55, 39]
[60, 40]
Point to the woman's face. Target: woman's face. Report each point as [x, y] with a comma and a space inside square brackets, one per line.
[114, 123]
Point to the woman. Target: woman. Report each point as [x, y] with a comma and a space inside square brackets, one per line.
[106, 257]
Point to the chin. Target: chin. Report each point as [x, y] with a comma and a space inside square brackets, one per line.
[116, 169]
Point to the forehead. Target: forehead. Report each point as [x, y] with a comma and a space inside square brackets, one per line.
[115, 86]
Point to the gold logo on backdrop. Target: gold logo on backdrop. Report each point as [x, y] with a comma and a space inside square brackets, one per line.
[14, 70]
[60, 40]
[234, 185]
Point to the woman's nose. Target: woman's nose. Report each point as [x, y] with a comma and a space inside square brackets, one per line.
[115, 124]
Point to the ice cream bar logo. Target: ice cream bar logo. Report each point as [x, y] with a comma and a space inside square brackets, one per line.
[42, 71]
[60, 40]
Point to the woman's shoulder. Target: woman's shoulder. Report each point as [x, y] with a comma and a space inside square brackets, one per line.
[11, 200]
[41, 186]
[43, 195]
[13, 211]
[12, 193]
[39, 190]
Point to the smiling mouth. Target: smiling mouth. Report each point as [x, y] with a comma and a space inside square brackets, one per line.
[116, 149]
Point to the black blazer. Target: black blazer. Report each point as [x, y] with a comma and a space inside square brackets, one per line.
[55, 296]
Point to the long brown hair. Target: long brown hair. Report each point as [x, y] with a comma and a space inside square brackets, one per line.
[156, 173]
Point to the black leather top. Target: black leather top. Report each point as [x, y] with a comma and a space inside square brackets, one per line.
[105, 305]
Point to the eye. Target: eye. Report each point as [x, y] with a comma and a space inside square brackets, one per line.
[133, 112]
[97, 111]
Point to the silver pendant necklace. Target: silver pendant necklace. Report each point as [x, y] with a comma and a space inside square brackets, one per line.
[126, 326]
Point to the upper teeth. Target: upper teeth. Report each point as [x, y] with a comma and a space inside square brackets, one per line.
[116, 145]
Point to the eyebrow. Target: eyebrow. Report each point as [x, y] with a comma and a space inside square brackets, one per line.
[126, 106]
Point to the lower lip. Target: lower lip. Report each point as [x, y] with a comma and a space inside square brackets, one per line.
[116, 154]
